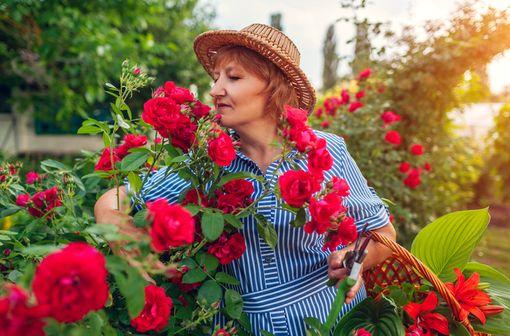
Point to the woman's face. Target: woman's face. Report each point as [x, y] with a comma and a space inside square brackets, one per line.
[238, 95]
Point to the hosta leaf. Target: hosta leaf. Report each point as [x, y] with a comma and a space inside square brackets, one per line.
[449, 241]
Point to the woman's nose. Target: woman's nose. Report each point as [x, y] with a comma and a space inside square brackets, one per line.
[217, 89]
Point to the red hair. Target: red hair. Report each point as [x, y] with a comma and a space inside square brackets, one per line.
[278, 88]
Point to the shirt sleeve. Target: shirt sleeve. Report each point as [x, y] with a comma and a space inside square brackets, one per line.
[362, 204]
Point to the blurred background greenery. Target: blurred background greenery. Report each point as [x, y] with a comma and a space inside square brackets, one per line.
[55, 57]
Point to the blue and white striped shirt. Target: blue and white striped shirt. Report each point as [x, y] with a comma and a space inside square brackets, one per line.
[281, 287]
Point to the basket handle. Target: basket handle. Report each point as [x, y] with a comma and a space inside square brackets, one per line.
[411, 260]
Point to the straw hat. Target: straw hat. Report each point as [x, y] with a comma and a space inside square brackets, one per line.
[268, 42]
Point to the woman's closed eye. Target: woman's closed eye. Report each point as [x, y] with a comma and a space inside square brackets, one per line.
[234, 78]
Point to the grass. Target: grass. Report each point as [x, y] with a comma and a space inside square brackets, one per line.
[494, 249]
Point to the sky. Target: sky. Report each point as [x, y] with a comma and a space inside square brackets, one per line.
[306, 21]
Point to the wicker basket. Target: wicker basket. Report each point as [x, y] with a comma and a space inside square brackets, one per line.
[403, 267]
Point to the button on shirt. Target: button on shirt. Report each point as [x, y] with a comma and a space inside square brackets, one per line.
[281, 287]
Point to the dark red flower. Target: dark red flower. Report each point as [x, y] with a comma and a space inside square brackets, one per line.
[71, 282]
[295, 117]
[363, 332]
[22, 200]
[390, 117]
[229, 203]
[364, 74]
[339, 186]
[107, 160]
[200, 110]
[427, 166]
[404, 167]
[423, 316]
[297, 186]
[324, 212]
[345, 234]
[393, 137]
[240, 187]
[172, 225]
[163, 114]
[178, 94]
[183, 136]
[417, 149]
[360, 94]
[413, 178]
[345, 97]
[318, 112]
[156, 310]
[228, 248]
[355, 105]
[17, 318]
[32, 177]
[193, 196]
[130, 141]
[303, 137]
[319, 157]
[325, 124]
[222, 332]
[221, 149]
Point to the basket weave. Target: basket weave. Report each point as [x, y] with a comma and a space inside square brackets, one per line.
[403, 267]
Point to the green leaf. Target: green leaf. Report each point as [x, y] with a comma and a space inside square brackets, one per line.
[133, 161]
[210, 291]
[235, 176]
[109, 231]
[49, 163]
[89, 129]
[173, 151]
[135, 182]
[178, 159]
[266, 231]
[210, 262]
[233, 303]
[139, 219]
[192, 208]
[40, 250]
[315, 326]
[233, 220]
[378, 317]
[486, 271]
[130, 283]
[9, 211]
[266, 333]
[300, 219]
[226, 278]
[194, 275]
[449, 241]
[212, 225]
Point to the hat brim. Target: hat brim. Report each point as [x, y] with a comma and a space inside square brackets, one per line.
[207, 44]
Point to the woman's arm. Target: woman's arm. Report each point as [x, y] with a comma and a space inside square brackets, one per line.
[377, 253]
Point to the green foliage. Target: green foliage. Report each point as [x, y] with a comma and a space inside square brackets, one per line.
[56, 55]
[449, 241]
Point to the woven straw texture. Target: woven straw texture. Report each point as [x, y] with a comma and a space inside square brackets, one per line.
[267, 41]
[403, 267]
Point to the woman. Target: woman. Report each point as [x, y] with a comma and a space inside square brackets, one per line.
[256, 72]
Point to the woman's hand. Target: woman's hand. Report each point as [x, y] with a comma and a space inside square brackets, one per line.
[337, 271]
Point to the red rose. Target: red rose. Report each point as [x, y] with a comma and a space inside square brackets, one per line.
[22, 200]
[229, 203]
[339, 186]
[41, 202]
[297, 186]
[344, 235]
[325, 124]
[295, 117]
[389, 117]
[413, 178]
[363, 332]
[200, 110]
[427, 166]
[32, 177]
[355, 105]
[318, 112]
[360, 94]
[417, 149]
[240, 187]
[105, 161]
[71, 282]
[319, 158]
[227, 249]
[346, 98]
[193, 196]
[404, 167]
[221, 149]
[331, 104]
[163, 114]
[16, 317]
[172, 225]
[130, 141]
[325, 211]
[222, 332]
[304, 138]
[178, 94]
[364, 74]
[393, 137]
[156, 311]
[183, 136]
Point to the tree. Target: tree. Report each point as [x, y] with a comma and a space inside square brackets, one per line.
[330, 67]
[55, 56]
